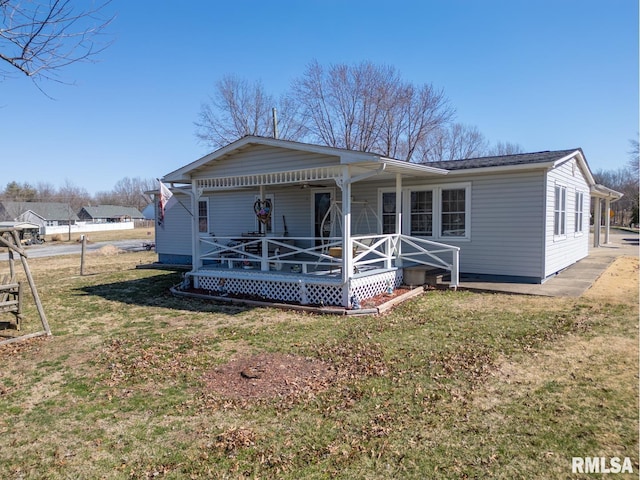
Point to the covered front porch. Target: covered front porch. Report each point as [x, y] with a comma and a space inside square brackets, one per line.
[276, 268]
[324, 254]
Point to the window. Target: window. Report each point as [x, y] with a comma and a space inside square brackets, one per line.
[579, 212]
[203, 216]
[421, 213]
[454, 218]
[560, 210]
[388, 212]
[437, 212]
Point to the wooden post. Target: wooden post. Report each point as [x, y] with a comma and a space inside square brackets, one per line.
[32, 285]
[84, 248]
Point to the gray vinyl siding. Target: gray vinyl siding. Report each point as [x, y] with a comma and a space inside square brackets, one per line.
[231, 212]
[563, 251]
[174, 237]
[265, 159]
[506, 221]
[510, 221]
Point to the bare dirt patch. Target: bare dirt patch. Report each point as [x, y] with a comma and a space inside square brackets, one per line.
[270, 376]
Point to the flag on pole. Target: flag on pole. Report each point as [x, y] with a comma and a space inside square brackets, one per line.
[165, 202]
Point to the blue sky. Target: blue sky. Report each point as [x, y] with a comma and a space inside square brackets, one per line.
[546, 74]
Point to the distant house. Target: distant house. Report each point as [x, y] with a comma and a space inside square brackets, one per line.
[109, 214]
[44, 214]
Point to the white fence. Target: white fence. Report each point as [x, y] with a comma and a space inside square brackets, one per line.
[82, 227]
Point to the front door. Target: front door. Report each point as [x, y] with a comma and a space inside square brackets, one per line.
[321, 205]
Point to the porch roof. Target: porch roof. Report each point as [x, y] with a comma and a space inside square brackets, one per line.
[361, 165]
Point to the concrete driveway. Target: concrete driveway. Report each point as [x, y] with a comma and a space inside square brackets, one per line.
[575, 280]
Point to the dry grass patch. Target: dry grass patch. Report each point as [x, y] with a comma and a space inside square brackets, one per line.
[448, 385]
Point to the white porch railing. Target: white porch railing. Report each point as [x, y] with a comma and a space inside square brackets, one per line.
[313, 256]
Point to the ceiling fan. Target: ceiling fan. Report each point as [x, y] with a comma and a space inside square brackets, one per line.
[306, 185]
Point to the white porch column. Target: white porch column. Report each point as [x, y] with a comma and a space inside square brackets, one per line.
[596, 221]
[347, 254]
[196, 261]
[398, 251]
[607, 219]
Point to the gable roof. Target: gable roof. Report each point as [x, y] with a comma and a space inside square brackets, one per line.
[344, 156]
[112, 211]
[44, 210]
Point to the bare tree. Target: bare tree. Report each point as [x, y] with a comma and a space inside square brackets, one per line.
[505, 148]
[46, 192]
[453, 142]
[620, 180]
[76, 197]
[634, 160]
[128, 192]
[369, 108]
[240, 108]
[38, 38]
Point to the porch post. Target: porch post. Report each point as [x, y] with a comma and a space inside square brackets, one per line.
[607, 220]
[398, 203]
[398, 251]
[347, 254]
[596, 222]
[196, 261]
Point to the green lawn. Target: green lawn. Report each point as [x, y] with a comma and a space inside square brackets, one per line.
[447, 385]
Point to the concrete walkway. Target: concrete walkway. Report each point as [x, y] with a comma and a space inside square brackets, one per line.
[575, 280]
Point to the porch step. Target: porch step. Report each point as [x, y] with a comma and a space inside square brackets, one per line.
[423, 275]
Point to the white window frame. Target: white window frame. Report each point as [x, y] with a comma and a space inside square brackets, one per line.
[578, 227]
[410, 213]
[381, 212]
[559, 211]
[467, 211]
[205, 233]
[436, 209]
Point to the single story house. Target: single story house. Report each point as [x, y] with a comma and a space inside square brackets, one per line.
[43, 214]
[296, 222]
[109, 214]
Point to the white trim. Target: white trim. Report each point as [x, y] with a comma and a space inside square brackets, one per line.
[263, 179]
[466, 186]
[562, 235]
[437, 209]
[200, 232]
[578, 213]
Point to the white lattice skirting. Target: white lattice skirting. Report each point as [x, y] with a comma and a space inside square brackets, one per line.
[371, 285]
[303, 290]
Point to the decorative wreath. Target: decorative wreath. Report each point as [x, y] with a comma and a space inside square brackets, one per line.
[263, 209]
